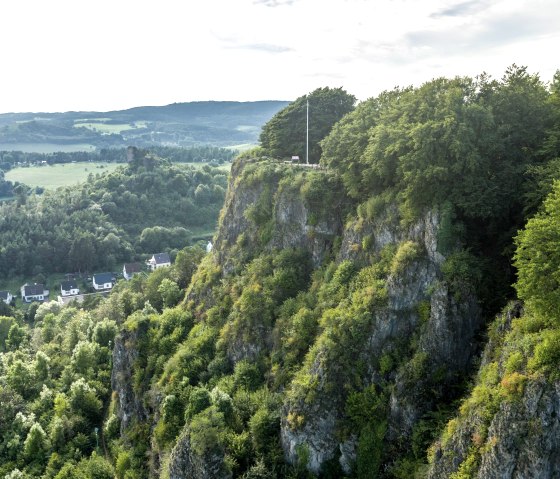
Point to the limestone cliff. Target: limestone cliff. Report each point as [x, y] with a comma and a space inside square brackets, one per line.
[427, 330]
[330, 340]
[443, 337]
[509, 426]
[130, 405]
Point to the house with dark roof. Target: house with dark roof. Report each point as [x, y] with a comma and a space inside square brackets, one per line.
[159, 260]
[6, 296]
[103, 281]
[130, 269]
[34, 292]
[69, 288]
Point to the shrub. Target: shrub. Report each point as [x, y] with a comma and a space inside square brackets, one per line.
[405, 254]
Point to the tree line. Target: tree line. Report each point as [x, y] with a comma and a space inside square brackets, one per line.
[194, 154]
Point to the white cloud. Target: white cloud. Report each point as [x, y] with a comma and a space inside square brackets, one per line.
[63, 54]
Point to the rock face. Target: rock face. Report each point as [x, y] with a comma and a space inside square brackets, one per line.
[289, 216]
[186, 464]
[443, 338]
[445, 344]
[527, 436]
[130, 406]
[517, 438]
[409, 348]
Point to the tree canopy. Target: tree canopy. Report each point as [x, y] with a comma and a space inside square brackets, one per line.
[284, 135]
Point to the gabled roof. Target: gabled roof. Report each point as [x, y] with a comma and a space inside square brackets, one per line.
[33, 289]
[68, 285]
[161, 258]
[4, 295]
[132, 268]
[101, 278]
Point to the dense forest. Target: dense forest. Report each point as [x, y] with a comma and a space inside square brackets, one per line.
[145, 207]
[392, 314]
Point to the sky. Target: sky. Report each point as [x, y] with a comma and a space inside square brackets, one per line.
[102, 55]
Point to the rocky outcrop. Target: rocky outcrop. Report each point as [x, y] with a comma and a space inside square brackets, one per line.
[130, 406]
[525, 436]
[293, 222]
[185, 463]
[509, 435]
[445, 344]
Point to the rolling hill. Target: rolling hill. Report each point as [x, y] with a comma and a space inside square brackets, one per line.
[219, 123]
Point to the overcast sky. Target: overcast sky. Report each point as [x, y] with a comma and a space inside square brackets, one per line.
[60, 55]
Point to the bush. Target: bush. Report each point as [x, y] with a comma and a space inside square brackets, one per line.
[546, 356]
[199, 400]
[206, 430]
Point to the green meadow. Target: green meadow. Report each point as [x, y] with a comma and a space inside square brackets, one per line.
[67, 174]
[53, 176]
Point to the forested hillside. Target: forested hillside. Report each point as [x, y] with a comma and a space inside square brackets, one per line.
[392, 313]
[218, 123]
[147, 206]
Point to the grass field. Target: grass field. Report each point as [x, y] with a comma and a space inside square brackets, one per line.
[53, 176]
[67, 174]
[45, 147]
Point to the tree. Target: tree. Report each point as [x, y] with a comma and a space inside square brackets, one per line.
[6, 323]
[170, 292]
[36, 443]
[82, 252]
[185, 264]
[537, 259]
[284, 135]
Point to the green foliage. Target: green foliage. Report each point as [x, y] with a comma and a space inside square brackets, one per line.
[205, 430]
[6, 323]
[109, 220]
[264, 427]
[462, 269]
[36, 444]
[170, 292]
[246, 375]
[406, 252]
[547, 353]
[285, 134]
[537, 259]
[370, 448]
[438, 143]
[199, 400]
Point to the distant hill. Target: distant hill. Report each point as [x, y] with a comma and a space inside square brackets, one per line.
[219, 123]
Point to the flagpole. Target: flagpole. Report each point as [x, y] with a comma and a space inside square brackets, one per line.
[307, 136]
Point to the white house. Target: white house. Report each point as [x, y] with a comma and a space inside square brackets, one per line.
[130, 269]
[6, 296]
[34, 292]
[103, 281]
[69, 288]
[159, 260]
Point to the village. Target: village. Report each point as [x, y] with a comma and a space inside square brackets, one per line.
[97, 284]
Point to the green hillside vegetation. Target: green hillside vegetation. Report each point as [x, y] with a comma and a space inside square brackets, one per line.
[218, 123]
[215, 358]
[145, 207]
